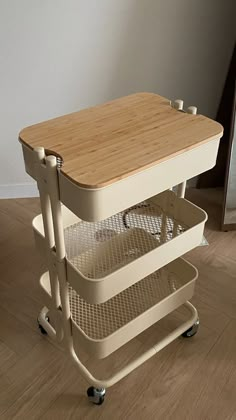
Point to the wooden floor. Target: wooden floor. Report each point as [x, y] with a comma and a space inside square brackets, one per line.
[192, 379]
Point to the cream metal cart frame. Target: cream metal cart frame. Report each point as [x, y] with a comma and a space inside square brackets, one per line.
[98, 205]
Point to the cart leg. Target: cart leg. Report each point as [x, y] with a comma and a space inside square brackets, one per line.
[44, 325]
[181, 189]
[42, 330]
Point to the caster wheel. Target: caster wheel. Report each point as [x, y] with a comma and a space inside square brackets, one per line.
[95, 395]
[191, 331]
[42, 330]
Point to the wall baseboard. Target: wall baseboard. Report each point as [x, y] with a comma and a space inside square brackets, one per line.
[19, 190]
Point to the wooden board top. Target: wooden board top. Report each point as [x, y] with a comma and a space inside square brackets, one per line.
[109, 142]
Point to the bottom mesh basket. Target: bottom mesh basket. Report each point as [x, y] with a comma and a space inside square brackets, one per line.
[109, 325]
[102, 328]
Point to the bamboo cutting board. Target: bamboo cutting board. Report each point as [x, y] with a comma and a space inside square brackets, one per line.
[109, 142]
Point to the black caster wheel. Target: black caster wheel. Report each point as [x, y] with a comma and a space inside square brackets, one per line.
[191, 331]
[95, 395]
[42, 330]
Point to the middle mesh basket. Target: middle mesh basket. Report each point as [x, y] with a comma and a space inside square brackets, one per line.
[104, 258]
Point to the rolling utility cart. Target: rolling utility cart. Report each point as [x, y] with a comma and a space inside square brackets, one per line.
[111, 228]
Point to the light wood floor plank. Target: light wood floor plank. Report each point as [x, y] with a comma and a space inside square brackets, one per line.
[211, 395]
[30, 392]
[16, 335]
[20, 304]
[7, 358]
[216, 286]
[191, 379]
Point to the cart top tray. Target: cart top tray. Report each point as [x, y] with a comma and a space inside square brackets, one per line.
[109, 142]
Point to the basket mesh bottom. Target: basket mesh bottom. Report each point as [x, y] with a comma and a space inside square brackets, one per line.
[99, 321]
[85, 240]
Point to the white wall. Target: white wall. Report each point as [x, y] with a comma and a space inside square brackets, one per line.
[59, 56]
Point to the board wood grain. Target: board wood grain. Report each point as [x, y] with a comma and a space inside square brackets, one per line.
[106, 143]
